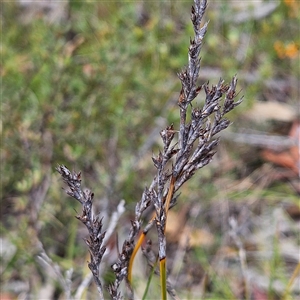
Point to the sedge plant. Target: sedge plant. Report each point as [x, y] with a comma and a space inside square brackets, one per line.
[187, 147]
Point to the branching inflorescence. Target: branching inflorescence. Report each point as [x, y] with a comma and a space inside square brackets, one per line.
[185, 151]
[92, 223]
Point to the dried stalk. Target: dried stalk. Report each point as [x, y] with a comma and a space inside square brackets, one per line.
[185, 151]
[92, 223]
[196, 144]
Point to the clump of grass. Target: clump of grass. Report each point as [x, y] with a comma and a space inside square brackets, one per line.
[187, 148]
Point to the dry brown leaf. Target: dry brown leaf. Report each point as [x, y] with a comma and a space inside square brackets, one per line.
[289, 158]
[7, 296]
[259, 294]
[263, 111]
[175, 224]
[200, 237]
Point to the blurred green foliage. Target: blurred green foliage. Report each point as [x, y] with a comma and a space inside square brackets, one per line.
[87, 91]
[96, 77]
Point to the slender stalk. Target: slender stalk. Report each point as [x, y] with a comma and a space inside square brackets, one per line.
[149, 280]
[291, 281]
[143, 235]
[162, 262]
[135, 250]
[163, 278]
[169, 196]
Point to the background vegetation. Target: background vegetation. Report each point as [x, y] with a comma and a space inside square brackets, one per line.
[90, 85]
